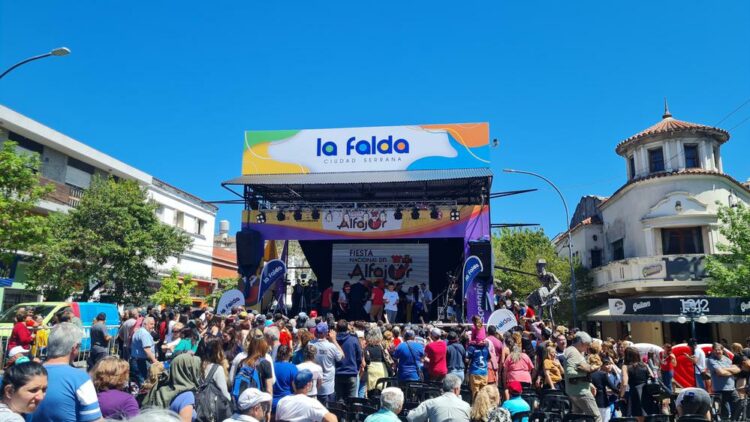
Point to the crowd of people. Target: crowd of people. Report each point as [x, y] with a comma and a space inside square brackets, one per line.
[246, 366]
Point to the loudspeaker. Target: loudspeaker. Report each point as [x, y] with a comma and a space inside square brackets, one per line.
[249, 244]
[483, 250]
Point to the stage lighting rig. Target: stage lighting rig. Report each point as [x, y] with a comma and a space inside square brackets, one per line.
[261, 217]
[315, 214]
[297, 214]
[415, 213]
[455, 215]
[434, 213]
[398, 215]
[280, 215]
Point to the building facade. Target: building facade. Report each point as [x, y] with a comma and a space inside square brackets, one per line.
[70, 166]
[649, 239]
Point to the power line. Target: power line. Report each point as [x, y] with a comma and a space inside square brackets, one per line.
[740, 123]
[733, 111]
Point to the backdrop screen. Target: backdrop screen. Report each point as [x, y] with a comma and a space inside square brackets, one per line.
[406, 263]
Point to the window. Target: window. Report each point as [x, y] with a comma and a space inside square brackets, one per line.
[631, 166]
[716, 157]
[618, 251]
[596, 258]
[25, 144]
[200, 227]
[78, 173]
[691, 156]
[683, 240]
[655, 160]
[179, 219]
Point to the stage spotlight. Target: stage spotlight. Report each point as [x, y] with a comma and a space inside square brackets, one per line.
[280, 215]
[297, 215]
[455, 215]
[415, 213]
[261, 217]
[315, 214]
[434, 214]
[397, 215]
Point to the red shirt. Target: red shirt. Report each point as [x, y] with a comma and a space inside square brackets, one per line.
[377, 296]
[20, 336]
[436, 352]
[668, 365]
[285, 338]
[325, 300]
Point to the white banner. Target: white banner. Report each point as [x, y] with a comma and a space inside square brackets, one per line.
[228, 300]
[503, 319]
[361, 220]
[406, 263]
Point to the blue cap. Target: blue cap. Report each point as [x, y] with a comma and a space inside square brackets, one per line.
[321, 328]
[302, 378]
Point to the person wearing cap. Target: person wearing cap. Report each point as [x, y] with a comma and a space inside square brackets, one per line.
[578, 377]
[447, 407]
[435, 356]
[17, 355]
[329, 352]
[693, 401]
[99, 340]
[516, 403]
[252, 406]
[300, 407]
[409, 355]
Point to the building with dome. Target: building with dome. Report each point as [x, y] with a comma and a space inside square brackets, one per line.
[646, 243]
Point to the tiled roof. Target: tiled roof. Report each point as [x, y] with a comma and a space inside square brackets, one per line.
[585, 222]
[670, 125]
[692, 171]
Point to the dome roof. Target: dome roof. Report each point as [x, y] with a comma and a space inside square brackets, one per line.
[670, 125]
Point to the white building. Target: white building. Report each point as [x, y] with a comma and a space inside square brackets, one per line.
[70, 166]
[650, 237]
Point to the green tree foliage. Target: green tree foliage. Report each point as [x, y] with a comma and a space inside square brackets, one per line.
[111, 242]
[20, 228]
[729, 271]
[223, 285]
[173, 291]
[519, 249]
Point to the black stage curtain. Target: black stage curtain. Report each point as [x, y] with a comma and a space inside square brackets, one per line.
[446, 255]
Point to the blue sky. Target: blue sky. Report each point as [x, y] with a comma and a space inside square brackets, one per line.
[170, 89]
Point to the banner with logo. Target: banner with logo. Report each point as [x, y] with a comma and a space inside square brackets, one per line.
[503, 319]
[228, 300]
[675, 306]
[273, 272]
[368, 223]
[478, 292]
[406, 263]
[383, 148]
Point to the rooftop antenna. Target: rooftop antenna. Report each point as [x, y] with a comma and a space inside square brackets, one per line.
[666, 114]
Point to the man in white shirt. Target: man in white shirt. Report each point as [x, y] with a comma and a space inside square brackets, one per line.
[328, 353]
[390, 299]
[699, 362]
[300, 407]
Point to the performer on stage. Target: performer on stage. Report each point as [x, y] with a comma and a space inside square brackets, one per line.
[425, 297]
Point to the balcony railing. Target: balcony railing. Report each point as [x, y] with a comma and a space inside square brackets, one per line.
[63, 193]
[651, 271]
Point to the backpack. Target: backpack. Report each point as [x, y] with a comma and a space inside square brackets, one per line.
[247, 377]
[210, 403]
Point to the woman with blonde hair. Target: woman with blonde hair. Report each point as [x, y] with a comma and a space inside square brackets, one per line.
[553, 370]
[110, 376]
[517, 367]
[376, 358]
[486, 407]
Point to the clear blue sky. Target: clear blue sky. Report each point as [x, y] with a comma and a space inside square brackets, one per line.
[169, 87]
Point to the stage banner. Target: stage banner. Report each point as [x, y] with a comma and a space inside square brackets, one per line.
[478, 292]
[228, 300]
[503, 319]
[367, 223]
[273, 271]
[382, 148]
[406, 263]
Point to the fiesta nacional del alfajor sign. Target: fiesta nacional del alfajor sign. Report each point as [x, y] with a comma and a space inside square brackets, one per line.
[383, 148]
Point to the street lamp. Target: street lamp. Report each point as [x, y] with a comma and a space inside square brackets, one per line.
[570, 238]
[58, 52]
[692, 314]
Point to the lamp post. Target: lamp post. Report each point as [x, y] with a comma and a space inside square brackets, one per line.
[570, 238]
[58, 52]
[692, 314]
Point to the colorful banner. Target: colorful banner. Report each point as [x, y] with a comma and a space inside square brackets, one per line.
[228, 300]
[406, 263]
[383, 148]
[478, 292]
[503, 319]
[273, 272]
[370, 224]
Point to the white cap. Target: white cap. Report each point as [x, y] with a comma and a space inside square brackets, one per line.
[252, 397]
[17, 351]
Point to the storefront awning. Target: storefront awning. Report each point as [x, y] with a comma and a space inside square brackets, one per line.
[602, 314]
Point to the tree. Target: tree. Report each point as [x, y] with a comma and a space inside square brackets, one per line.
[223, 285]
[173, 291]
[729, 271]
[519, 249]
[21, 188]
[111, 241]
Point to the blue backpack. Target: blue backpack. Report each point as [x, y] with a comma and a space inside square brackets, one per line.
[246, 377]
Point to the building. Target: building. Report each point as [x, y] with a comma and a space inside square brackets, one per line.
[70, 166]
[650, 237]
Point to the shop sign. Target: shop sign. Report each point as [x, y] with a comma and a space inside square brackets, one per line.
[406, 263]
[676, 306]
[383, 148]
[682, 268]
